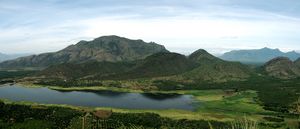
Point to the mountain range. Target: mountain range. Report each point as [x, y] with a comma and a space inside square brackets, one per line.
[5, 57]
[118, 58]
[258, 56]
[105, 48]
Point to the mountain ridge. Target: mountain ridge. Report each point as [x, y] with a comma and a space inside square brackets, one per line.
[5, 57]
[199, 66]
[282, 67]
[105, 48]
[259, 56]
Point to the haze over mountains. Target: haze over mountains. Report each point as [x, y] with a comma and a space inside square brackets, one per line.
[259, 56]
[4, 57]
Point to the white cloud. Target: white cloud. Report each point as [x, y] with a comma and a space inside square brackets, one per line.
[180, 26]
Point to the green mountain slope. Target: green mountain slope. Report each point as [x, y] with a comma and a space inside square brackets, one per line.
[158, 65]
[199, 66]
[89, 69]
[282, 67]
[211, 68]
[297, 62]
[106, 48]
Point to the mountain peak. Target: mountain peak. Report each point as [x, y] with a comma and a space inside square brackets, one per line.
[106, 48]
[269, 49]
[110, 37]
[266, 48]
[282, 67]
[279, 59]
[202, 54]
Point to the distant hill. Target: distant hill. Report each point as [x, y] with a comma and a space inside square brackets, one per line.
[199, 66]
[259, 56]
[5, 57]
[67, 71]
[106, 48]
[282, 67]
[160, 64]
[211, 68]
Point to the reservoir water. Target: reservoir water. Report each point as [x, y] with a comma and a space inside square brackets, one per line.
[97, 98]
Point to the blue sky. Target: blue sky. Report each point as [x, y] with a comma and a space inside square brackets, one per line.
[36, 26]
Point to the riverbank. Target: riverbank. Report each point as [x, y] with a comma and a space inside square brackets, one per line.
[209, 104]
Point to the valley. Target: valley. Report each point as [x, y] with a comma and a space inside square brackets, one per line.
[146, 83]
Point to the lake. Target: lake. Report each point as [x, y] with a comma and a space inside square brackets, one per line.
[98, 98]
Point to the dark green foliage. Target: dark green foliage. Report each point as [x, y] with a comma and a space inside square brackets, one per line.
[198, 66]
[274, 94]
[22, 116]
[297, 62]
[69, 83]
[145, 119]
[274, 119]
[213, 69]
[15, 74]
[52, 117]
[160, 64]
[154, 121]
[163, 64]
[157, 65]
[92, 69]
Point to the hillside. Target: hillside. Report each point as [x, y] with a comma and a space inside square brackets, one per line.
[68, 71]
[211, 68]
[199, 66]
[257, 56]
[282, 67]
[5, 57]
[106, 48]
[156, 65]
[297, 62]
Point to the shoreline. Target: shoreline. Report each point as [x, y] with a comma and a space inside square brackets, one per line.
[241, 101]
[103, 88]
[169, 113]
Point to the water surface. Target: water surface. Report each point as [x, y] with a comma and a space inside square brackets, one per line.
[98, 98]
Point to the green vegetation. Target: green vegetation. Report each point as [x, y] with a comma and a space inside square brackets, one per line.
[38, 116]
[199, 66]
[6, 74]
[224, 91]
[282, 67]
[216, 108]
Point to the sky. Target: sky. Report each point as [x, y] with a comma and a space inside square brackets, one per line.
[37, 26]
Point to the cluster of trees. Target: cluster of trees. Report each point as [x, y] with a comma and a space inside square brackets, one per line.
[70, 83]
[12, 115]
[14, 74]
[24, 116]
[274, 94]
